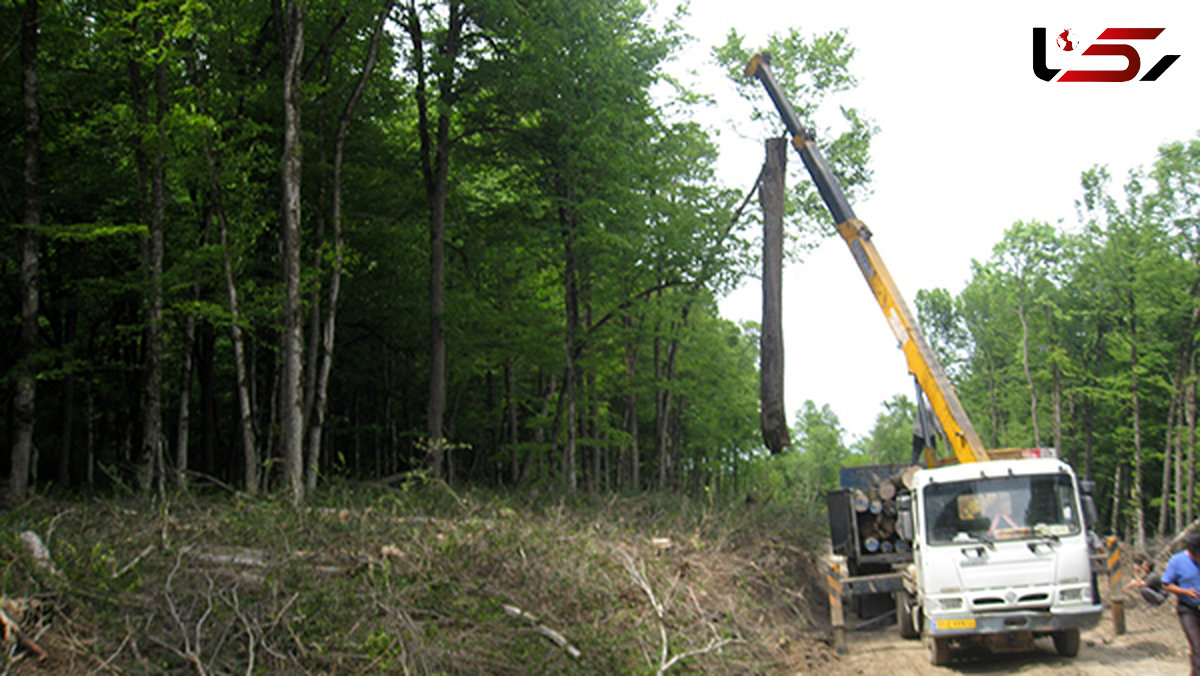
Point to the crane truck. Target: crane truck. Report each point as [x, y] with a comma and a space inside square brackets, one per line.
[988, 546]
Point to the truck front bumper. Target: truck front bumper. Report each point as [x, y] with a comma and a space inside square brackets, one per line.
[1082, 617]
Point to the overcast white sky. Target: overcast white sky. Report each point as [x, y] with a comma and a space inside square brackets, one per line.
[970, 141]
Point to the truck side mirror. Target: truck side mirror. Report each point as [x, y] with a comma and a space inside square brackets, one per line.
[1091, 515]
[904, 517]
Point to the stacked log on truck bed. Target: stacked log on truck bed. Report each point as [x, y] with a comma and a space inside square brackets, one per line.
[862, 513]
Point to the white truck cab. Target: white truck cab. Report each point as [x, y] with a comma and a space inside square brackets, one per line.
[1000, 554]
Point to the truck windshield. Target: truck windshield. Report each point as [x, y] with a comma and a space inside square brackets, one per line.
[1001, 508]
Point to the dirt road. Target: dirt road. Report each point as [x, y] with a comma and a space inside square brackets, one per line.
[1152, 645]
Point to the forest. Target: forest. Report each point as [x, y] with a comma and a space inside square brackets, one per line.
[263, 245]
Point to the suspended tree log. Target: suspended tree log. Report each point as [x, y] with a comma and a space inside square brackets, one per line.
[771, 196]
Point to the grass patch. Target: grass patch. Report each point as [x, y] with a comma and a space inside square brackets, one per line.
[420, 579]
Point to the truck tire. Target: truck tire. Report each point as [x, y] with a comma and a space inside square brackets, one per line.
[1066, 642]
[939, 651]
[904, 615]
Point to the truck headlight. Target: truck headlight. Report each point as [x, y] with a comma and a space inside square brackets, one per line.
[951, 603]
[1071, 595]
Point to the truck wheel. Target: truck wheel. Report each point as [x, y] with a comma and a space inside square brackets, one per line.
[1066, 642]
[939, 651]
[904, 615]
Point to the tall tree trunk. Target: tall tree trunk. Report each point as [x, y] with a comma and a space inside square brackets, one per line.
[141, 457]
[771, 194]
[68, 423]
[1169, 454]
[535, 462]
[68, 407]
[1033, 399]
[206, 380]
[317, 270]
[321, 388]
[662, 407]
[571, 309]
[665, 375]
[1190, 412]
[1178, 492]
[250, 461]
[1056, 402]
[1186, 417]
[587, 428]
[993, 402]
[26, 376]
[1089, 419]
[89, 436]
[597, 481]
[184, 415]
[435, 168]
[1089, 401]
[510, 418]
[1135, 484]
[291, 394]
[633, 474]
[1116, 500]
[150, 466]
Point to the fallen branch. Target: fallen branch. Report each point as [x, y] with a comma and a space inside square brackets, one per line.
[189, 653]
[184, 655]
[107, 664]
[639, 578]
[557, 638]
[235, 604]
[233, 556]
[137, 559]
[714, 645]
[12, 632]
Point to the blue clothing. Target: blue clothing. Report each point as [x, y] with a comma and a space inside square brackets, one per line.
[1183, 572]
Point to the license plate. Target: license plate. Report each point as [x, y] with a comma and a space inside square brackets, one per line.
[963, 623]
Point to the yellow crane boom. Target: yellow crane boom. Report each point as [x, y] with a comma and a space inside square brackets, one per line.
[922, 363]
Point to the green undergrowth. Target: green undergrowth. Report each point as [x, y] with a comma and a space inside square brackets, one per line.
[415, 579]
